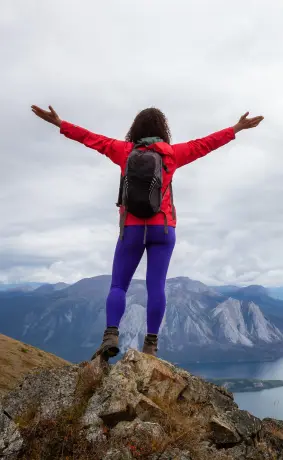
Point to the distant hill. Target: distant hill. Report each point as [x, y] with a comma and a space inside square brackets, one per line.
[247, 291]
[17, 359]
[19, 287]
[29, 287]
[225, 289]
[276, 292]
[48, 288]
[246, 385]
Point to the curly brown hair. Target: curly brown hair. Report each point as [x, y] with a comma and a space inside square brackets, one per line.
[149, 122]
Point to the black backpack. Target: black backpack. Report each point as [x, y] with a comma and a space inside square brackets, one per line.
[141, 187]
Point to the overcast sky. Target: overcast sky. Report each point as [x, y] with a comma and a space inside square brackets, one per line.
[204, 63]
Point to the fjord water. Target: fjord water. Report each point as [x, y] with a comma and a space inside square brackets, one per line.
[266, 403]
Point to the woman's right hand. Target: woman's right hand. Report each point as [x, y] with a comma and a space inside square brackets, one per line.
[51, 116]
[247, 123]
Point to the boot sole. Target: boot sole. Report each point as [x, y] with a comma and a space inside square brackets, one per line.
[111, 352]
[106, 353]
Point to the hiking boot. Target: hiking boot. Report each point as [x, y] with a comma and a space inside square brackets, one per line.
[110, 344]
[150, 344]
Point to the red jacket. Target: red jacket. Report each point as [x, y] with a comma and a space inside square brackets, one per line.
[174, 156]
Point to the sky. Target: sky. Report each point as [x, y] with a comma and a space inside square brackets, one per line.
[204, 63]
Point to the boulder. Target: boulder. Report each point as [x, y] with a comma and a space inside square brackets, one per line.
[142, 436]
[45, 392]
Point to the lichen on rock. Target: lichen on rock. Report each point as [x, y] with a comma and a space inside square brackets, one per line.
[11, 440]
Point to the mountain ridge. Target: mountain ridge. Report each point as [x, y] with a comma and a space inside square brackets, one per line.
[200, 324]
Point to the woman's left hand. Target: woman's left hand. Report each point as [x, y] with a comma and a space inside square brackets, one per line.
[51, 116]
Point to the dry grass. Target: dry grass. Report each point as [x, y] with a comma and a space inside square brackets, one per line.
[58, 438]
[276, 432]
[17, 359]
[185, 431]
[27, 418]
[274, 429]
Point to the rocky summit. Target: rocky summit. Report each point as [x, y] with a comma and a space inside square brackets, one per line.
[141, 407]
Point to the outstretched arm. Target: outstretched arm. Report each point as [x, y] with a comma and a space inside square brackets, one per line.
[112, 148]
[192, 150]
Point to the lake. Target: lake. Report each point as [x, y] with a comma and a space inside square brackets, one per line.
[266, 403]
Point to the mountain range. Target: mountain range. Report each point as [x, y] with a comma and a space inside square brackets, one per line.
[202, 323]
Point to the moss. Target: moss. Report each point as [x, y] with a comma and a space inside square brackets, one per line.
[27, 418]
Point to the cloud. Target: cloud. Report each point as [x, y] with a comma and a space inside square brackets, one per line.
[98, 63]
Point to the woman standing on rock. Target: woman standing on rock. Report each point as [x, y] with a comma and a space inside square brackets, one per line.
[148, 162]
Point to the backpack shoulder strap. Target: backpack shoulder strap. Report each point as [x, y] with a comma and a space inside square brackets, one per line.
[120, 193]
[170, 187]
[172, 201]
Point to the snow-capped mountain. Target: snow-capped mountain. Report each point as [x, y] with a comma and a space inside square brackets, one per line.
[200, 318]
[200, 324]
[243, 323]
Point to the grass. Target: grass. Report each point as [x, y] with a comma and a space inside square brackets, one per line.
[184, 429]
[17, 359]
[55, 438]
[27, 418]
[273, 428]
[61, 437]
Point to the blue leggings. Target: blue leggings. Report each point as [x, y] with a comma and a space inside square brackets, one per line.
[129, 251]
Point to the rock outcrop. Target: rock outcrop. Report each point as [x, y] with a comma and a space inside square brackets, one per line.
[141, 407]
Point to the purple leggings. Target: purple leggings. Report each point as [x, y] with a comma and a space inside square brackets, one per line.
[129, 251]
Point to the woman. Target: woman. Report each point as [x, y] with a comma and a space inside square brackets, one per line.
[151, 131]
